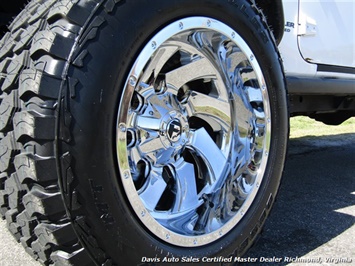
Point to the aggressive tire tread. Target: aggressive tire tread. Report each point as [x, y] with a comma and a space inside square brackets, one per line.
[33, 56]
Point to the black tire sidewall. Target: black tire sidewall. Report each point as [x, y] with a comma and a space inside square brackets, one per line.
[117, 230]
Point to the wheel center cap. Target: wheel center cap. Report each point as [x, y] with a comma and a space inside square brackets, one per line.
[174, 130]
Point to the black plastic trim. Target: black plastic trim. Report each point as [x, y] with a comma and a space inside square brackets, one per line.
[335, 69]
[320, 86]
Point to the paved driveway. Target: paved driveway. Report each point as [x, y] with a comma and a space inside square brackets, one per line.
[313, 217]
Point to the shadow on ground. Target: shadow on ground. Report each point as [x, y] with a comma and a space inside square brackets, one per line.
[319, 182]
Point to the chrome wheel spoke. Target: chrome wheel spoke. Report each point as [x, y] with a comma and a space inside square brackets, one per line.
[153, 189]
[150, 142]
[209, 107]
[199, 69]
[148, 123]
[158, 62]
[254, 95]
[186, 192]
[203, 144]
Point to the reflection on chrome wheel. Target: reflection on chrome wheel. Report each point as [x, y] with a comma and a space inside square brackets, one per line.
[193, 131]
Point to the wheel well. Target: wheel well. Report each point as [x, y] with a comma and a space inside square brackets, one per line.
[273, 11]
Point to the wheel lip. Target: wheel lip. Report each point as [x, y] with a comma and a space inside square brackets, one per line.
[137, 205]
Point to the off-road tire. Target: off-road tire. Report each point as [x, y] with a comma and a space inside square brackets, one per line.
[63, 67]
[33, 55]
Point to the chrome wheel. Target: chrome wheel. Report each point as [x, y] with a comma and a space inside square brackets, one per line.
[193, 132]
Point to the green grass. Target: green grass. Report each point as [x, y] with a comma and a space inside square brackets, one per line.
[303, 126]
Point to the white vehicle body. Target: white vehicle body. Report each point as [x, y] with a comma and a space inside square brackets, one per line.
[318, 52]
[319, 33]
